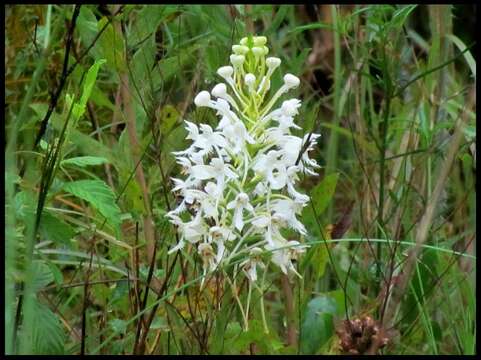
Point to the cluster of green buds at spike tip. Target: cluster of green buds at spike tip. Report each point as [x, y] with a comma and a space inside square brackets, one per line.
[239, 203]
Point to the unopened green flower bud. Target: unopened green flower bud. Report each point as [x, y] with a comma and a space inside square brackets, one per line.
[260, 40]
[240, 49]
[258, 51]
[237, 60]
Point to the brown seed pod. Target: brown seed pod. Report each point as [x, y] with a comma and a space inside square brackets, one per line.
[361, 336]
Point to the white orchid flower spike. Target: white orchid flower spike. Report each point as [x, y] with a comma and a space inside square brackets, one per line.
[239, 199]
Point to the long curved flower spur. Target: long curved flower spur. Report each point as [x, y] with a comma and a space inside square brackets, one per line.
[239, 198]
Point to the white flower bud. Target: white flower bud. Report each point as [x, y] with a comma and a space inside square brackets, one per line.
[273, 62]
[202, 99]
[225, 71]
[291, 81]
[250, 79]
[260, 40]
[240, 49]
[258, 51]
[220, 90]
[237, 60]
[243, 41]
[266, 50]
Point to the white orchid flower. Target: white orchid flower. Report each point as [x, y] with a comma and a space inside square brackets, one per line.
[192, 231]
[217, 169]
[240, 203]
[287, 210]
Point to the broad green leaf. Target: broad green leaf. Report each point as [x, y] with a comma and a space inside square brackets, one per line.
[99, 195]
[54, 229]
[90, 79]
[43, 275]
[318, 326]
[83, 161]
[51, 227]
[56, 272]
[48, 332]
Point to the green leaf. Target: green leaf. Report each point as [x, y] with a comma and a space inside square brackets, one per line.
[51, 226]
[318, 326]
[276, 22]
[56, 272]
[54, 229]
[168, 118]
[48, 333]
[43, 275]
[83, 161]
[111, 45]
[467, 55]
[100, 99]
[320, 259]
[266, 343]
[90, 79]
[99, 195]
[323, 192]
[318, 25]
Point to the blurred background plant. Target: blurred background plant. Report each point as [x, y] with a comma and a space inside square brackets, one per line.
[391, 268]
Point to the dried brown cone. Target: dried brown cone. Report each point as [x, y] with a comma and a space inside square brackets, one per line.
[361, 336]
